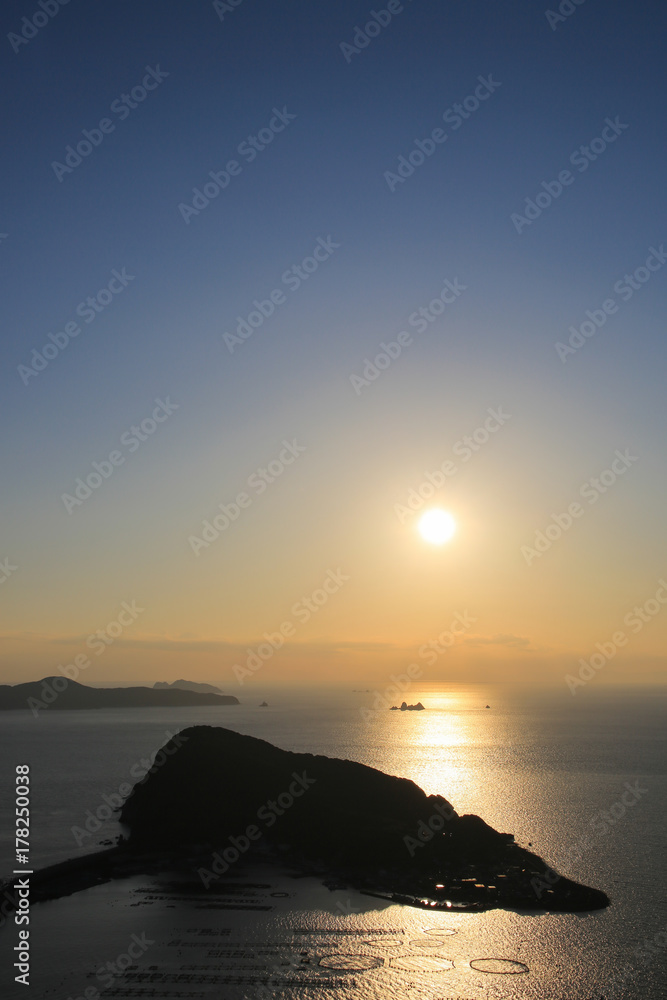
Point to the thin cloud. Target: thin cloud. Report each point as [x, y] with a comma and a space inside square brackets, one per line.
[499, 639]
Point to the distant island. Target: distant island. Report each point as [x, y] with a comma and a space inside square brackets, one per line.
[407, 708]
[222, 798]
[61, 693]
[187, 686]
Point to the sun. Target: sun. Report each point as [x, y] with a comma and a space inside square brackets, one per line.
[436, 526]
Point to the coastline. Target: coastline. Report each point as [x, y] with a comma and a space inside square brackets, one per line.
[472, 888]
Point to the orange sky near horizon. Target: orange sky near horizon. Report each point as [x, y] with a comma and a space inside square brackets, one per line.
[389, 600]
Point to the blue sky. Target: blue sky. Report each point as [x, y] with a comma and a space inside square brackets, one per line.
[323, 177]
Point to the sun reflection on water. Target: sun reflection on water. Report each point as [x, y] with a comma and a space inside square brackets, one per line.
[430, 747]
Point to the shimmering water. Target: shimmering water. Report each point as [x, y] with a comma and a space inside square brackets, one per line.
[551, 769]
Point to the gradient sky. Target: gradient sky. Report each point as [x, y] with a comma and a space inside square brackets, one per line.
[323, 176]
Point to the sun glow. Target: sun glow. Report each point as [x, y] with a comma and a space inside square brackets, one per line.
[436, 526]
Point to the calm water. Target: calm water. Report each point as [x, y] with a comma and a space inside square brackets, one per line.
[544, 768]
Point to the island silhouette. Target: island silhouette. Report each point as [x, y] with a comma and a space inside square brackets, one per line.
[62, 693]
[188, 686]
[222, 798]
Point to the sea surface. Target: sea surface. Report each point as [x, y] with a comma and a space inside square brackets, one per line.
[580, 779]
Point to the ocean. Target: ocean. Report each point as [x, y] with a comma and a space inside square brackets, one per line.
[581, 779]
